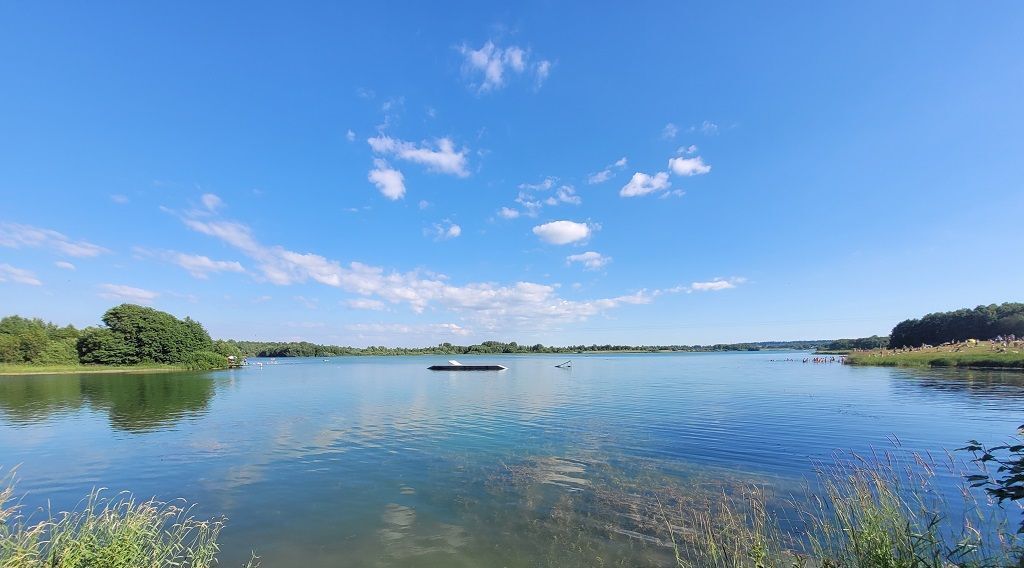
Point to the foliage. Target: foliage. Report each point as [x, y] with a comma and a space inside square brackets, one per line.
[982, 322]
[204, 361]
[873, 342]
[24, 340]
[156, 336]
[1007, 483]
[109, 533]
[98, 345]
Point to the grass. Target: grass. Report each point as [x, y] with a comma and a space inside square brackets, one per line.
[109, 533]
[30, 369]
[983, 355]
[870, 513]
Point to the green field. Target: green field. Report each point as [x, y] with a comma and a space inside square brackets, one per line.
[982, 355]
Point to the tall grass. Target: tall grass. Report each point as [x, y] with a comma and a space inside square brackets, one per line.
[118, 532]
[876, 512]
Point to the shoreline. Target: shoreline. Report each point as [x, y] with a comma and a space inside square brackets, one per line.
[82, 370]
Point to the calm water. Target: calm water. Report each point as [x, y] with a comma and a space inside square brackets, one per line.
[377, 461]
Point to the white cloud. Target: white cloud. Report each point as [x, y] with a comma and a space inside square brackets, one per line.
[717, 284]
[669, 131]
[13, 235]
[444, 230]
[707, 127]
[544, 185]
[211, 202]
[202, 266]
[562, 232]
[531, 204]
[590, 260]
[441, 159]
[488, 68]
[127, 293]
[64, 265]
[10, 273]
[119, 198]
[430, 329]
[688, 150]
[688, 166]
[424, 204]
[487, 304]
[350, 136]
[365, 304]
[642, 184]
[607, 173]
[508, 213]
[390, 182]
[567, 194]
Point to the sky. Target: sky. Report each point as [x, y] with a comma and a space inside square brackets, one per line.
[408, 173]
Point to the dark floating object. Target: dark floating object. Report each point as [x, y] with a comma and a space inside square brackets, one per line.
[456, 366]
[566, 365]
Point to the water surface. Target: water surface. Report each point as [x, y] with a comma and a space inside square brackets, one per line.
[376, 461]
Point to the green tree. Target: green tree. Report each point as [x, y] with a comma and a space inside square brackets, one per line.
[102, 346]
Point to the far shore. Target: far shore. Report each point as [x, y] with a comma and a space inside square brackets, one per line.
[969, 355]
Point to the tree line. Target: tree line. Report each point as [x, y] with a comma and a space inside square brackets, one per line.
[307, 349]
[130, 335]
[982, 322]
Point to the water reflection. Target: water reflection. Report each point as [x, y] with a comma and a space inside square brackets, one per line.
[134, 403]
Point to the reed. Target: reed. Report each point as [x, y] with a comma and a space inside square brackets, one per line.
[117, 532]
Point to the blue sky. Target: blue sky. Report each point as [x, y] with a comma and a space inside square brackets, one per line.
[550, 172]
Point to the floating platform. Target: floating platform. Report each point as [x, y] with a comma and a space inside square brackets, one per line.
[467, 368]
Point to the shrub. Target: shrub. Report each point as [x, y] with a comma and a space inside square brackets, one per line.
[205, 361]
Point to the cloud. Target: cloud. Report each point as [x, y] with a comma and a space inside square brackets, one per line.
[707, 127]
[544, 185]
[562, 232]
[119, 198]
[717, 284]
[508, 213]
[642, 184]
[531, 204]
[488, 304]
[567, 194]
[350, 136]
[211, 202]
[64, 265]
[688, 166]
[10, 273]
[13, 235]
[430, 329]
[390, 182]
[424, 204]
[442, 158]
[309, 303]
[488, 68]
[444, 230]
[670, 131]
[197, 265]
[590, 260]
[123, 293]
[607, 173]
[688, 150]
[365, 304]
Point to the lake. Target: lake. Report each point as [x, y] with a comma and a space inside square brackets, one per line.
[366, 461]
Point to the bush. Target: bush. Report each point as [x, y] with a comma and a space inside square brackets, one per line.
[205, 361]
[60, 352]
[101, 346]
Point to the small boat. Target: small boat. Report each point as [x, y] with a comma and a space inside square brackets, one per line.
[456, 366]
[566, 365]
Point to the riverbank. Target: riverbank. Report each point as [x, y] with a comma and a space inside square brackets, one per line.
[983, 355]
[73, 369]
